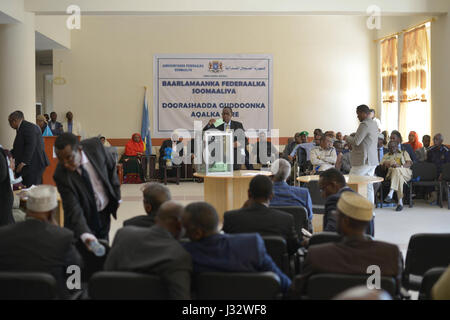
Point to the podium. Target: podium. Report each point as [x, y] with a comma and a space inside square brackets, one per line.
[49, 143]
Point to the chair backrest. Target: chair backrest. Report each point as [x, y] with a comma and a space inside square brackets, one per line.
[429, 279]
[237, 286]
[92, 263]
[425, 170]
[424, 253]
[317, 200]
[324, 237]
[27, 286]
[112, 285]
[325, 286]
[277, 249]
[300, 215]
[446, 172]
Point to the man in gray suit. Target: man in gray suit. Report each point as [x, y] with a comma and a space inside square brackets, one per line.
[364, 157]
[155, 250]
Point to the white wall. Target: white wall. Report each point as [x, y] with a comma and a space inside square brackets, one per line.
[324, 66]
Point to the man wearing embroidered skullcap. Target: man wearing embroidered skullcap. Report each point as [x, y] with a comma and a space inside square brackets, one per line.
[38, 244]
[356, 251]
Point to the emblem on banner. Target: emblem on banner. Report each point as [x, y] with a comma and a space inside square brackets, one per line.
[215, 66]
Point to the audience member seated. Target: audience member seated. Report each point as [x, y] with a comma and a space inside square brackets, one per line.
[155, 251]
[42, 124]
[355, 252]
[381, 149]
[397, 166]
[258, 217]
[38, 244]
[172, 147]
[363, 293]
[307, 145]
[323, 157]
[339, 137]
[441, 289]
[55, 126]
[155, 194]
[131, 159]
[330, 134]
[397, 137]
[413, 141]
[421, 153]
[343, 162]
[332, 184]
[290, 149]
[71, 125]
[385, 133]
[264, 146]
[286, 195]
[212, 251]
[439, 153]
[105, 142]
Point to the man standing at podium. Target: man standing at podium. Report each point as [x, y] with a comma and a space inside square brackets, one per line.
[28, 150]
[232, 125]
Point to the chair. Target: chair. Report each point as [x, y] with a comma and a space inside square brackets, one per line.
[277, 249]
[300, 215]
[324, 237]
[108, 285]
[446, 181]
[325, 286]
[423, 254]
[27, 286]
[236, 286]
[318, 201]
[429, 279]
[178, 173]
[424, 174]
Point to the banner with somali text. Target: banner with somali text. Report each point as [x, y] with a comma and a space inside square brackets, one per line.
[197, 87]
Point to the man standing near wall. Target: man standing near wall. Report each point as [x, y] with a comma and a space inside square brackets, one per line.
[364, 157]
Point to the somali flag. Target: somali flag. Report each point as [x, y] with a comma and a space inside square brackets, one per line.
[145, 128]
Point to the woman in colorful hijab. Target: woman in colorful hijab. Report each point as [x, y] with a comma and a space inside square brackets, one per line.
[131, 160]
[414, 140]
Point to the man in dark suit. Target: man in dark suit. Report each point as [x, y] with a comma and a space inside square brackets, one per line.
[55, 126]
[263, 150]
[28, 149]
[6, 194]
[259, 217]
[86, 177]
[175, 143]
[215, 252]
[155, 251]
[155, 194]
[355, 252]
[38, 244]
[238, 129]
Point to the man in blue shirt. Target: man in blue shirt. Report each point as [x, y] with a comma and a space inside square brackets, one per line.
[286, 195]
[215, 252]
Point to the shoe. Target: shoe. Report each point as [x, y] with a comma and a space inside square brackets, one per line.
[388, 199]
[399, 208]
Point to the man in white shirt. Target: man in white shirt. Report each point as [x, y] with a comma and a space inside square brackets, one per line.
[71, 125]
[324, 156]
[378, 122]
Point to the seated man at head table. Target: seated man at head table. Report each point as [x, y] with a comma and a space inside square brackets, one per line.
[155, 250]
[258, 217]
[286, 195]
[38, 244]
[355, 252]
[332, 185]
[212, 251]
[155, 194]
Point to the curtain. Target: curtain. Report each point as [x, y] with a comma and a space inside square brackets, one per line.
[389, 71]
[415, 83]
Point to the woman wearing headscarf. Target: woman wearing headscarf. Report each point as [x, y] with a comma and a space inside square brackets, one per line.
[413, 140]
[131, 159]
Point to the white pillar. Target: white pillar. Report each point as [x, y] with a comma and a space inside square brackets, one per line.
[17, 74]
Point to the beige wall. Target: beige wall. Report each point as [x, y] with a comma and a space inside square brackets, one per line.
[324, 66]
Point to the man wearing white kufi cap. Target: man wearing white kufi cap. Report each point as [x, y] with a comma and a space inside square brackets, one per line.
[356, 251]
[38, 244]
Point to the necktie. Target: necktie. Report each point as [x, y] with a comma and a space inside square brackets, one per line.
[93, 217]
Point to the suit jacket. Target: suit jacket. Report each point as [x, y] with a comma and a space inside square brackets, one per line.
[286, 195]
[58, 128]
[408, 148]
[329, 218]
[79, 205]
[145, 221]
[233, 253]
[364, 144]
[352, 256]
[6, 194]
[37, 246]
[154, 251]
[263, 220]
[29, 148]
